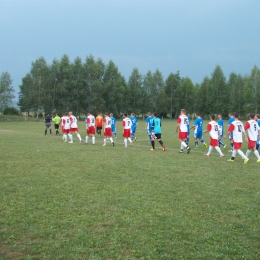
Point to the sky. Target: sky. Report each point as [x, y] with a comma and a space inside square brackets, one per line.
[189, 36]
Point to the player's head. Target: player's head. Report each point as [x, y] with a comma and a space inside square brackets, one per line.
[257, 116]
[236, 115]
[252, 116]
[70, 113]
[125, 114]
[111, 114]
[65, 113]
[183, 112]
[230, 114]
[219, 116]
[132, 114]
[149, 113]
[155, 114]
[106, 114]
[197, 114]
[212, 117]
[89, 113]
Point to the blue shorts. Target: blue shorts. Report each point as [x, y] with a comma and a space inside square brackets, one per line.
[198, 135]
[133, 129]
[113, 128]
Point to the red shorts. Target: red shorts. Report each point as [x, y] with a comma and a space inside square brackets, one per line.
[108, 132]
[183, 135]
[213, 142]
[74, 129]
[237, 145]
[91, 130]
[126, 133]
[251, 144]
[65, 131]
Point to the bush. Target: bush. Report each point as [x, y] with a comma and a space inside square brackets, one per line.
[10, 111]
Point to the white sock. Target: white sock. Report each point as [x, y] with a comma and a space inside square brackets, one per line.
[181, 147]
[79, 137]
[111, 140]
[210, 150]
[234, 153]
[93, 140]
[241, 154]
[86, 140]
[218, 150]
[256, 154]
[105, 141]
[184, 144]
[65, 137]
[125, 142]
[129, 139]
[71, 137]
[248, 152]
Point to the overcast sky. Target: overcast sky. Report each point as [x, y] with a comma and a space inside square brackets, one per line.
[190, 36]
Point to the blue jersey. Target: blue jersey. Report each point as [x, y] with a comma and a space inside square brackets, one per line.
[113, 121]
[134, 121]
[221, 126]
[149, 121]
[230, 120]
[258, 121]
[198, 123]
[156, 125]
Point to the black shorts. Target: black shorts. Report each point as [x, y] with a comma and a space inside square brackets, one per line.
[99, 127]
[158, 136]
[57, 126]
[48, 125]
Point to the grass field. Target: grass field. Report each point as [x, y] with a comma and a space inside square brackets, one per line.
[76, 201]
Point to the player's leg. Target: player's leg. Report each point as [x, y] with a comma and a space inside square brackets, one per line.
[196, 141]
[209, 151]
[125, 142]
[93, 139]
[234, 152]
[219, 151]
[71, 137]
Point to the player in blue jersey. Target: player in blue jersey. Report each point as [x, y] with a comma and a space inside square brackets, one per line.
[257, 118]
[148, 121]
[198, 131]
[156, 132]
[221, 128]
[230, 137]
[113, 125]
[134, 127]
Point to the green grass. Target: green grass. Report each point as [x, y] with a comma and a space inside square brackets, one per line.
[62, 201]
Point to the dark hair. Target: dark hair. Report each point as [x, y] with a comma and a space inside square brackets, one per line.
[252, 116]
[231, 113]
[236, 115]
[198, 114]
[213, 117]
[125, 114]
[155, 114]
[258, 116]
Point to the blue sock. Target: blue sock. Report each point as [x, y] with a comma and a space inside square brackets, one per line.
[196, 144]
[187, 140]
[231, 145]
[202, 141]
[257, 146]
[115, 135]
[221, 143]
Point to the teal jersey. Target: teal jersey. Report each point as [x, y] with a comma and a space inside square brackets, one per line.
[156, 125]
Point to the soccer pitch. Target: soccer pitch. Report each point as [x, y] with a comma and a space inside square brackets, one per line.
[76, 201]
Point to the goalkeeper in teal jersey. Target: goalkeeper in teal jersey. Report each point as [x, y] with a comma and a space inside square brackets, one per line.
[156, 132]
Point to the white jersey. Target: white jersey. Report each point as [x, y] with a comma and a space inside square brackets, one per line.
[90, 121]
[237, 128]
[184, 122]
[66, 122]
[73, 121]
[127, 123]
[214, 129]
[252, 129]
[107, 122]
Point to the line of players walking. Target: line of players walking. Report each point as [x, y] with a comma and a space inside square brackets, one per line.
[235, 133]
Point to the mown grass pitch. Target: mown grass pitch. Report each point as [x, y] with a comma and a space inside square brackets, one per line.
[63, 201]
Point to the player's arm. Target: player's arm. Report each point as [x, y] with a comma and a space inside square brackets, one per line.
[177, 128]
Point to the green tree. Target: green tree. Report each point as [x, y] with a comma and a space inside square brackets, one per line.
[6, 90]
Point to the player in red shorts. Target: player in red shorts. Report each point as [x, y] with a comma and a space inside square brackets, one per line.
[214, 131]
[90, 127]
[127, 125]
[73, 128]
[237, 128]
[182, 129]
[253, 132]
[107, 122]
[65, 126]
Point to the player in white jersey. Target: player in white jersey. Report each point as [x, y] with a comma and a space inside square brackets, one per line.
[65, 126]
[237, 129]
[182, 129]
[107, 123]
[90, 127]
[127, 126]
[214, 132]
[253, 132]
[73, 128]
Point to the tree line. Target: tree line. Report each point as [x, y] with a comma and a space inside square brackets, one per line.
[92, 85]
